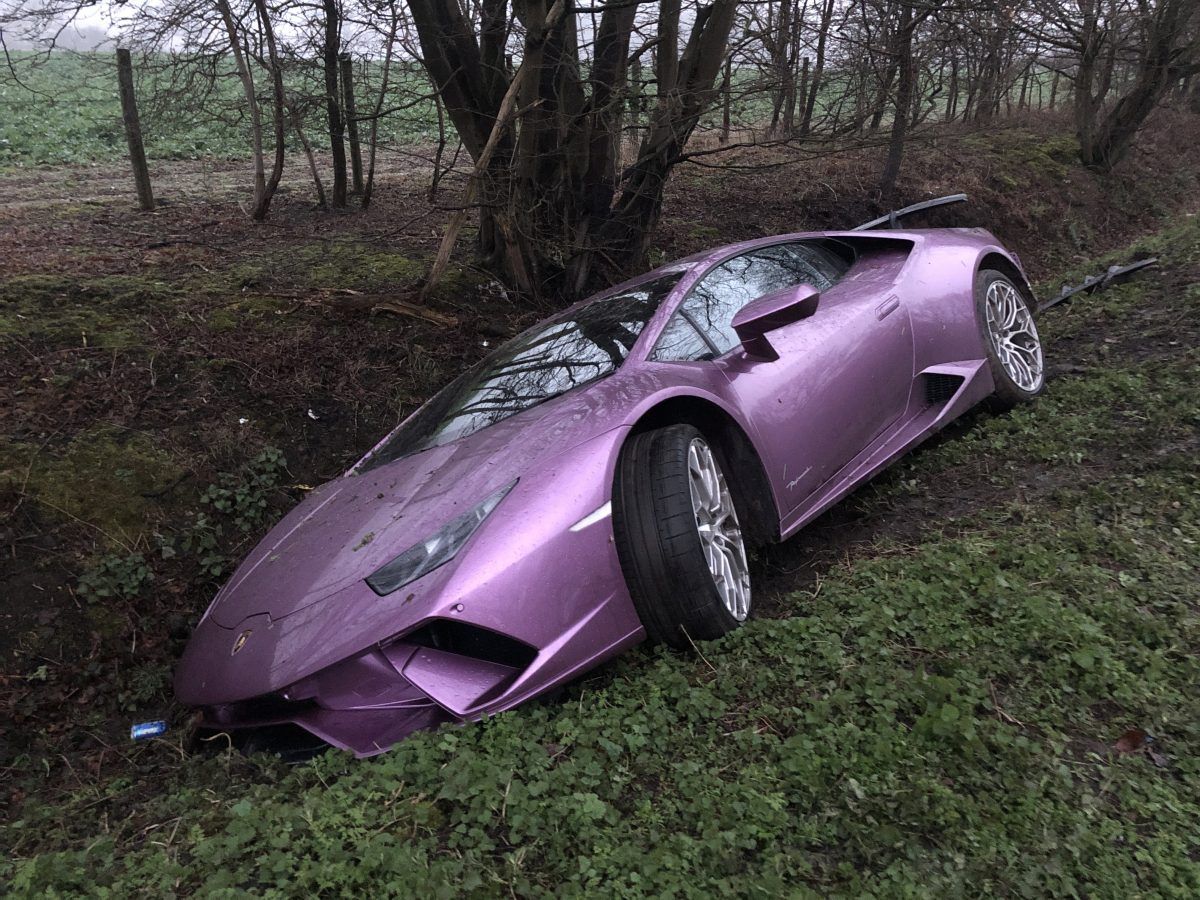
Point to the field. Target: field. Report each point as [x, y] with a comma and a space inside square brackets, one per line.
[67, 111]
[976, 676]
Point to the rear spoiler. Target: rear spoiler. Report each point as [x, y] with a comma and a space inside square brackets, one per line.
[1114, 275]
[892, 219]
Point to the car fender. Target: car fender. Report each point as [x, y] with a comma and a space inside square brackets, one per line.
[939, 290]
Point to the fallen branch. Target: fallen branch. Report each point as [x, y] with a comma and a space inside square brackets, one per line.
[400, 308]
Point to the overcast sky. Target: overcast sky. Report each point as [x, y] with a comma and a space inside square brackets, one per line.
[91, 27]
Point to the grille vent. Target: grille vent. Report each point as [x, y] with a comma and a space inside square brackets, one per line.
[940, 388]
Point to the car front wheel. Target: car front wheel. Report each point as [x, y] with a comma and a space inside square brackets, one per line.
[679, 538]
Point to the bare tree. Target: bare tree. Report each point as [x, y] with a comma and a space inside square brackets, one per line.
[557, 210]
[911, 17]
[1170, 52]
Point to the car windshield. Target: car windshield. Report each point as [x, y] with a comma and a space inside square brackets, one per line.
[555, 356]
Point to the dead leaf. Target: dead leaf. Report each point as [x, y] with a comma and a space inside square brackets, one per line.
[1131, 741]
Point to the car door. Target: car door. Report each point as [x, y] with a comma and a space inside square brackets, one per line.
[843, 374]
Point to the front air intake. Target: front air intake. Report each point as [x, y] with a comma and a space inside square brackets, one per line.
[465, 639]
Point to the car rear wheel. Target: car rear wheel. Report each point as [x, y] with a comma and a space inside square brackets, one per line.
[679, 538]
[1010, 337]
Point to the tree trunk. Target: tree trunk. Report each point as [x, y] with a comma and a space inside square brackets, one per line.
[1163, 63]
[781, 48]
[637, 101]
[952, 96]
[789, 91]
[1023, 100]
[1085, 76]
[441, 148]
[556, 212]
[818, 67]
[904, 97]
[263, 203]
[629, 227]
[312, 160]
[667, 55]
[346, 70]
[133, 130]
[726, 99]
[800, 93]
[337, 144]
[247, 79]
[369, 187]
[882, 97]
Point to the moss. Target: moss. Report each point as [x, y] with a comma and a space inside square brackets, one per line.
[326, 265]
[249, 309]
[360, 267]
[95, 312]
[223, 319]
[459, 280]
[1023, 156]
[105, 477]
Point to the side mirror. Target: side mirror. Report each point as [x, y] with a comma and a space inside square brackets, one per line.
[755, 319]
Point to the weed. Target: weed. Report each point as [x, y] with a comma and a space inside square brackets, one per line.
[115, 577]
[244, 497]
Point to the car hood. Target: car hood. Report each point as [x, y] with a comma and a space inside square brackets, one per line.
[346, 529]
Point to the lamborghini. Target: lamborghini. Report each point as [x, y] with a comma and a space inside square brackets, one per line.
[602, 478]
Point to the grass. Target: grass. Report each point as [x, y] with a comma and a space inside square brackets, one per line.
[936, 716]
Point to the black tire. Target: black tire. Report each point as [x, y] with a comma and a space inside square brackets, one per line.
[658, 540]
[1008, 392]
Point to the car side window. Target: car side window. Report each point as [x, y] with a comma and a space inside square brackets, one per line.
[718, 296]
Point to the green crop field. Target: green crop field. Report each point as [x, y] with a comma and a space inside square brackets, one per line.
[66, 110]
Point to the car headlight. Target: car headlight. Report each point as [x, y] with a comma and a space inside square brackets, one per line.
[436, 550]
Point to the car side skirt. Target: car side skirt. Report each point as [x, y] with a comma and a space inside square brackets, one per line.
[929, 411]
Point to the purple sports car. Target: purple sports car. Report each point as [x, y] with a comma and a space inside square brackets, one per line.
[598, 480]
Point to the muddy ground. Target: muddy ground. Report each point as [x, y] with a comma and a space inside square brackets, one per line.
[153, 364]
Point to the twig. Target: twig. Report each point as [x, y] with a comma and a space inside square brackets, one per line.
[115, 540]
[698, 652]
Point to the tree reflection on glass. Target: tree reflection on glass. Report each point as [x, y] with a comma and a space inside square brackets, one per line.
[555, 356]
[718, 296]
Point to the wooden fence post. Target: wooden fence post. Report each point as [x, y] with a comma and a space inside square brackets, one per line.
[133, 130]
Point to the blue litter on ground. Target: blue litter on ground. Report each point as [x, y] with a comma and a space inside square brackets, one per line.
[142, 731]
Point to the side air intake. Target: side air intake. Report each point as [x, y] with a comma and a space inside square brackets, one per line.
[940, 388]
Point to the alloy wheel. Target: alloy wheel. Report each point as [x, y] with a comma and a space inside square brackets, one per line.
[1013, 336]
[720, 534]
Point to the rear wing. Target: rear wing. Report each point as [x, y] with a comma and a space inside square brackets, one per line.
[1090, 285]
[1094, 283]
[892, 219]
